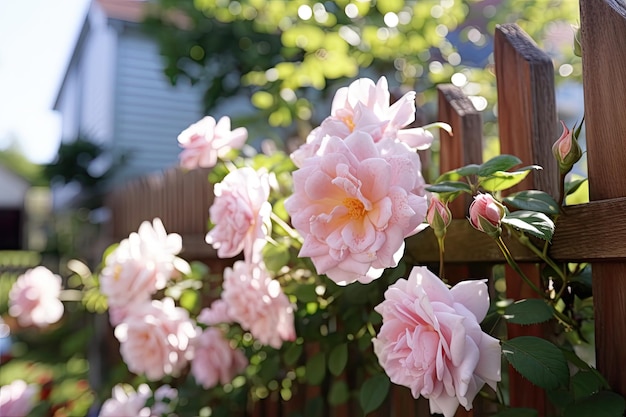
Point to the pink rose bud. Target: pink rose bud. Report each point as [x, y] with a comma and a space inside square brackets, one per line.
[438, 216]
[566, 150]
[486, 214]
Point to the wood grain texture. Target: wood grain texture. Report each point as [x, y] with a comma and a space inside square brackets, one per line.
[603, 38]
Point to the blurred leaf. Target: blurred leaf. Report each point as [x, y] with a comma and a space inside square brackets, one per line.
[373, 392]
[338, 359]
[316, 369]
[537, 360]
[498, 163]
[339, 393]
[603, 403]
[529, 311]
[533, 200]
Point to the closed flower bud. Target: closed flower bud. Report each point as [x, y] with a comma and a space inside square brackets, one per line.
[486, 214]
[566, 150]
[438, 216]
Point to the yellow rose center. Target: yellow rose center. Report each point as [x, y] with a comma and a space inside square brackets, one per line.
[349, 122]
[356, 209]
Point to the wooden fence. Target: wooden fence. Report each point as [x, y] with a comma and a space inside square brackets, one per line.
[593, 232]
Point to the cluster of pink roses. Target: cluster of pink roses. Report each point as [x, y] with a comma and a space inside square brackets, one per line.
[358, 193]
[158, 338]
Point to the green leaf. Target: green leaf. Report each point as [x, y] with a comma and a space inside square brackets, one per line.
[292, 354]
[316, 369]
[603, 403]
[373, 392]
[537, 360]
[449, 187]
[533, 200]
[471, 169]
[584, 384]
[190, 300]
[517, 412]
[498, 163]
[276, 256]
[501, 180]
[339, 393]
[528, 311]
[572, 186]
[338, 359]
[536, 224]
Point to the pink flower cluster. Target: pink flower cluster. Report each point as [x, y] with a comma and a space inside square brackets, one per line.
[207, 140]
[34, 298]
[359, 191]
[431, 340]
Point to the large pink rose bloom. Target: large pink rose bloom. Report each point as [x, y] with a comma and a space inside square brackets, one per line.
[241, 214]
[17, 399]
[126, 402]
[205, 141]
[354, 204]
[34, 298]
[431, 342]
[258, 304]
[141, 265]
[364, 106]
[155, 338]
[215, 361]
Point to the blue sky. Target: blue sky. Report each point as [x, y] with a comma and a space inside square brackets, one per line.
[36, 40]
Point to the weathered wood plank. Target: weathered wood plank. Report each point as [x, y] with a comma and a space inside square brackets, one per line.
[603, 38]
[527, 123]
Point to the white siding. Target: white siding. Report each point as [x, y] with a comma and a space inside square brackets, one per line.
[149, 111]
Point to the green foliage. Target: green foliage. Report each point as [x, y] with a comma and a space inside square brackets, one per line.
[531, 222]
[538, 360]
[528, 311]
[373, 392]
[533, 200]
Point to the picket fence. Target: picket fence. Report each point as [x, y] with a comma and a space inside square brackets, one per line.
[594, 232]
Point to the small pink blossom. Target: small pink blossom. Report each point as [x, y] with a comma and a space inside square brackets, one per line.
[217, 313]
[354, 203]
[566, 150]
[17, 399]
[155, 338]
[431, 340]
[486, 214]
[258, 304]
[215, 360]
[241, 214]
[125, 401]
[141, 265]
[365, 107]
[438, 216]
[34, 298]
[205, 141]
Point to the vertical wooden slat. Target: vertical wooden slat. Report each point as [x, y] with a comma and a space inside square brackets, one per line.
[528, 128]
[603, 25]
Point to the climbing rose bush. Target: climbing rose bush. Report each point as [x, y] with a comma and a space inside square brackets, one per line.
[431, 340]
[215, 360]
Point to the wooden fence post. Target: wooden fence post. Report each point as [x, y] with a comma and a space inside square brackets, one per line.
[528, 128]
[604, 81]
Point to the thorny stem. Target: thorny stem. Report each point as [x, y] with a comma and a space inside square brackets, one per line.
[440, 241]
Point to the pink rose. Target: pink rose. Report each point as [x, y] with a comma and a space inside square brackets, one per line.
[205, 141]
[215, 361]
[431, 341]
[34, 298]
[354, 203]
[155, 338]
[217, 313]
[241, 214]
[258, 304]
[364, 106]
[486, 214]
[17, 399]
[141, 265]
[125, 401]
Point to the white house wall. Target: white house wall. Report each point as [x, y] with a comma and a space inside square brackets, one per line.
[149, 111]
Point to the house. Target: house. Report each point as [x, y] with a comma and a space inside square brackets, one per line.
[115, 93]
[13, 190]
